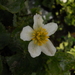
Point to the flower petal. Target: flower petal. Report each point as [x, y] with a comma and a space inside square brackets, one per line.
[48, 48]
[38, 21]
[26, 33]
[51, 28]
[34, 49]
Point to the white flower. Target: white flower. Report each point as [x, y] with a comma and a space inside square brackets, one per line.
[39, 36]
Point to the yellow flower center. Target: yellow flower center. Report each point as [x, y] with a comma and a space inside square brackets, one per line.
[39, 36]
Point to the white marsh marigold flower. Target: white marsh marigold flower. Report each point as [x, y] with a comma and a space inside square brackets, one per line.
[39, 36]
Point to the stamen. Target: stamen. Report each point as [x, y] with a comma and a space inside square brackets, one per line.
[39, 36]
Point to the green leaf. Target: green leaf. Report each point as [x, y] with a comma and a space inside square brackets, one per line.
[24, 64]
[60, 64]
[54, 66]
[3, 7]
[13, 6]
[65, 60]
